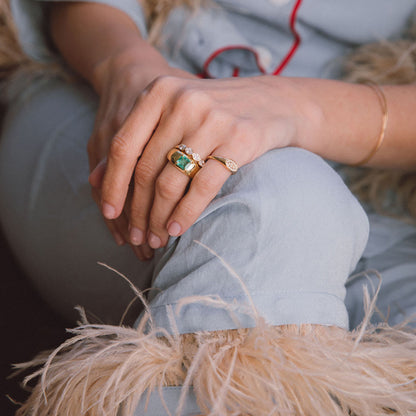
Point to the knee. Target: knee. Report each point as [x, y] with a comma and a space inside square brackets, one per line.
[297, 196]
[289, 227]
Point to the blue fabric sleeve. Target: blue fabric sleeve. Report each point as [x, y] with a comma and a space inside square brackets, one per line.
[29, 17]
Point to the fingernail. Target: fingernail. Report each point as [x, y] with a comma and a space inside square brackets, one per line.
[154, 241]
[119, 239]
[136, 236]
[174, 229]
[109, 211]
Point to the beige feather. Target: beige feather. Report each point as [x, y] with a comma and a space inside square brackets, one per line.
[296, 370]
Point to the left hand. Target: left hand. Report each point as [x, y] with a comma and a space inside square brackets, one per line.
[238, 118]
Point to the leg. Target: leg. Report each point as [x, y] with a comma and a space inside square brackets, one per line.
[46, 210]
[290, 229]
[296, 233]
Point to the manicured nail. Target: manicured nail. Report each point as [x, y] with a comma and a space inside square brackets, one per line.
[119, 239]
[154, 241]
[109, 211]
[174, 229]
[136, 236]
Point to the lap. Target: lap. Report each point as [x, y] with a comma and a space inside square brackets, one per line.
[290, 229]
[58, 234]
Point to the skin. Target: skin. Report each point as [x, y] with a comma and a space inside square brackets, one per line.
[146, 108]
[107, 50]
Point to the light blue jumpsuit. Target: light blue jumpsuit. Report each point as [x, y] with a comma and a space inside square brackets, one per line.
[286, 223]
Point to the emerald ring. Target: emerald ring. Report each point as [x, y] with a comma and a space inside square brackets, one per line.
[185, 163]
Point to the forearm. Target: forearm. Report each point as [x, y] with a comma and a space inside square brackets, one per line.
[348, 124]
[98, 34]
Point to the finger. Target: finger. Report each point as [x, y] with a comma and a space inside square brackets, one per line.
[204, 187]
[143, 252]
[138, 252]
[170, 188]
[119, 229]
[148, 169]
[116, 108]
[108, 122]
[118, 237]
[122, 226]
[127, 146]
[147, 251]
[98, 146]
[97, 175]
[99, 132]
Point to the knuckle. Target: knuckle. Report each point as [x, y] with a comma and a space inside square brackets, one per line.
[167, 190]
[190, 98]
[143, 175]
[119, 148]
[163, 83]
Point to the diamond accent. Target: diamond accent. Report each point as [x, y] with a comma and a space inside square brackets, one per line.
[196, 157]
[201, 163]
[188, 151]
[231, 165]
[181, 147]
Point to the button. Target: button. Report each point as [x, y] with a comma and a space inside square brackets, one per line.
[264, 56]
[279, 2]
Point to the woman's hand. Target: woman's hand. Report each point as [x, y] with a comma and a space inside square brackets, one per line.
[234, 118]
[119, 81]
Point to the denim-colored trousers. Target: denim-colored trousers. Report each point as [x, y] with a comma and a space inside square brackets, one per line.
[285, 224]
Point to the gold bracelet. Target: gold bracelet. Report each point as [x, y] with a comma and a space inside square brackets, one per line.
[383, 102]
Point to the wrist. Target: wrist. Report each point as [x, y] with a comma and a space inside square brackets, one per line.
[345, 121]
[138, 57]
[310, 115]
[294, 101]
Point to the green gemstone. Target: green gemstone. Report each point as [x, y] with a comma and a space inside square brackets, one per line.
[183, 162]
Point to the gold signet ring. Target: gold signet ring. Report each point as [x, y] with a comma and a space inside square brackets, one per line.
[230, 164]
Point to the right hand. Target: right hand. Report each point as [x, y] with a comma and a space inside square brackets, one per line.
[119, 81]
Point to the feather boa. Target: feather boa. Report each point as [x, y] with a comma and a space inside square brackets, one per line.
[301, 370]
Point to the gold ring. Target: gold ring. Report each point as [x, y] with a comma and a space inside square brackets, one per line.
[230, 164]
[195, 156]
[183, 162]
